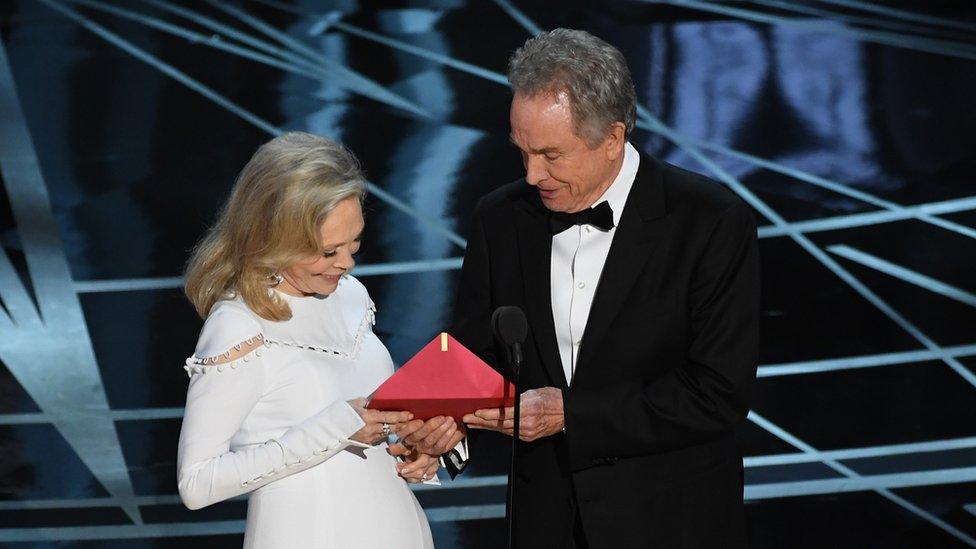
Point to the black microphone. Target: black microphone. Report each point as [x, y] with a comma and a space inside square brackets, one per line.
[510, 328]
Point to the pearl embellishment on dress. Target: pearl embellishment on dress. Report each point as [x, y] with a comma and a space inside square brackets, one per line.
[196, 365]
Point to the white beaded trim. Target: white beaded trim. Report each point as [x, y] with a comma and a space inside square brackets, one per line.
[196, 365]
[214, 359]
[369, 319]
[202, 365]
[301, 461]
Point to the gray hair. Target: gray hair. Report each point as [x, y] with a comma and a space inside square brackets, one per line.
[592, 73]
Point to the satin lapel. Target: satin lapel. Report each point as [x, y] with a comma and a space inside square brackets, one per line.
[535, 249]
[637, 236]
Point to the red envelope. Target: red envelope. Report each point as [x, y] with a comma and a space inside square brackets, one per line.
[443, 379]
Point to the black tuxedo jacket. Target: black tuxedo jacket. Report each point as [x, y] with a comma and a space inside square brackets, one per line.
[666, 366]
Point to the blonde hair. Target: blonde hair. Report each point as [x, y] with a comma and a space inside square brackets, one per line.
[272, 220]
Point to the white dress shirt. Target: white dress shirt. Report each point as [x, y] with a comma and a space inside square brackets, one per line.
[578, 255]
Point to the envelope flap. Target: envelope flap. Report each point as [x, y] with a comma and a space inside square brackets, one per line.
[443, 369]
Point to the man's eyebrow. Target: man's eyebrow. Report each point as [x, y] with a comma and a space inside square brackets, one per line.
[546, 150]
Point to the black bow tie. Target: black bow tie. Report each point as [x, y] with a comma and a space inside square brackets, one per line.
[600, 216]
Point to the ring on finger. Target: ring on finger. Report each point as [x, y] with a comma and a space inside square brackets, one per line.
[386, 429]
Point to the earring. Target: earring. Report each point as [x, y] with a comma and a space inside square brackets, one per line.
[276, 279]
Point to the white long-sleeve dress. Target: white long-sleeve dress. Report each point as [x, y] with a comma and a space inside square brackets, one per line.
[275, 423]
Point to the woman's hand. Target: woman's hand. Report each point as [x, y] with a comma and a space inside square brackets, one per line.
[435, 436]
[373, 431]
[418, 467]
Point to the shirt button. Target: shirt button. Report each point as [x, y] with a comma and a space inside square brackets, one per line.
[581, 285]
[578, 341]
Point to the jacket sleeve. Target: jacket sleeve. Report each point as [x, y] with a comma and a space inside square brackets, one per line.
[473, 306]
[219, 399]
[707, 393]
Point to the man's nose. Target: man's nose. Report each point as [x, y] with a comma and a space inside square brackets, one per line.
[535, 170]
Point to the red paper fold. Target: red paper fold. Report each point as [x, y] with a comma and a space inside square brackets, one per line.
[443, 379]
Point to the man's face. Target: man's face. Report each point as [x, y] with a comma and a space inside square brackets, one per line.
[568, 174]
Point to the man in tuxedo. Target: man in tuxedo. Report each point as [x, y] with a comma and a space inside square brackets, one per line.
[640, 284]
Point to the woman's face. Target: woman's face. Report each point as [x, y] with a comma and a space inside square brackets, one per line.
[340, 235]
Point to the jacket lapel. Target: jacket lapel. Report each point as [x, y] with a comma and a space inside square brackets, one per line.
[634, 242]
[535, 249]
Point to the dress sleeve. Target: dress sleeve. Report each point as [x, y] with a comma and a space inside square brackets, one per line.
[220, 397]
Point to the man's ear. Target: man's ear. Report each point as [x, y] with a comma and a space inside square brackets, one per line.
[614, 142]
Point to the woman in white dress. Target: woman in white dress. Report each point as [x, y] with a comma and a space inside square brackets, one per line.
[274, 405]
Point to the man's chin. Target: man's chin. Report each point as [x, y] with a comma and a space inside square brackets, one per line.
[552, 204]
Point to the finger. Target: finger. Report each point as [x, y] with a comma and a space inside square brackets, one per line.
[492, 427]
[358, 402]
[505, 424]
[378, 434]
[492, 424]
[406, 429]
[425, 429]
[445, 438]
[494, 413]
[443, 444]
[455, 439]
[404, 469]
[413, 468]
[429, 426]
[398, 450]
[489, 413]
[437, 434]
[478, 422]
[392, 417]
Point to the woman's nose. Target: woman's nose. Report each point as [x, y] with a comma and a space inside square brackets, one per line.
[345, 260]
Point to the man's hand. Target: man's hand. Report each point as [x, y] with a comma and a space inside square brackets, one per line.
[433, 437]
[541, 415]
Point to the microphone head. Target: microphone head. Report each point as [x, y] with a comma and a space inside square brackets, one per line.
[509, 325]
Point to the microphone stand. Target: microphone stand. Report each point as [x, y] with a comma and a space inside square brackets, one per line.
[515, 358]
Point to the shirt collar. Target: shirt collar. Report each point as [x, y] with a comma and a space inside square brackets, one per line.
[616, 194]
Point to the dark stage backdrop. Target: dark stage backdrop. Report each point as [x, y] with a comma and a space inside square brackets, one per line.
[848, 126]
